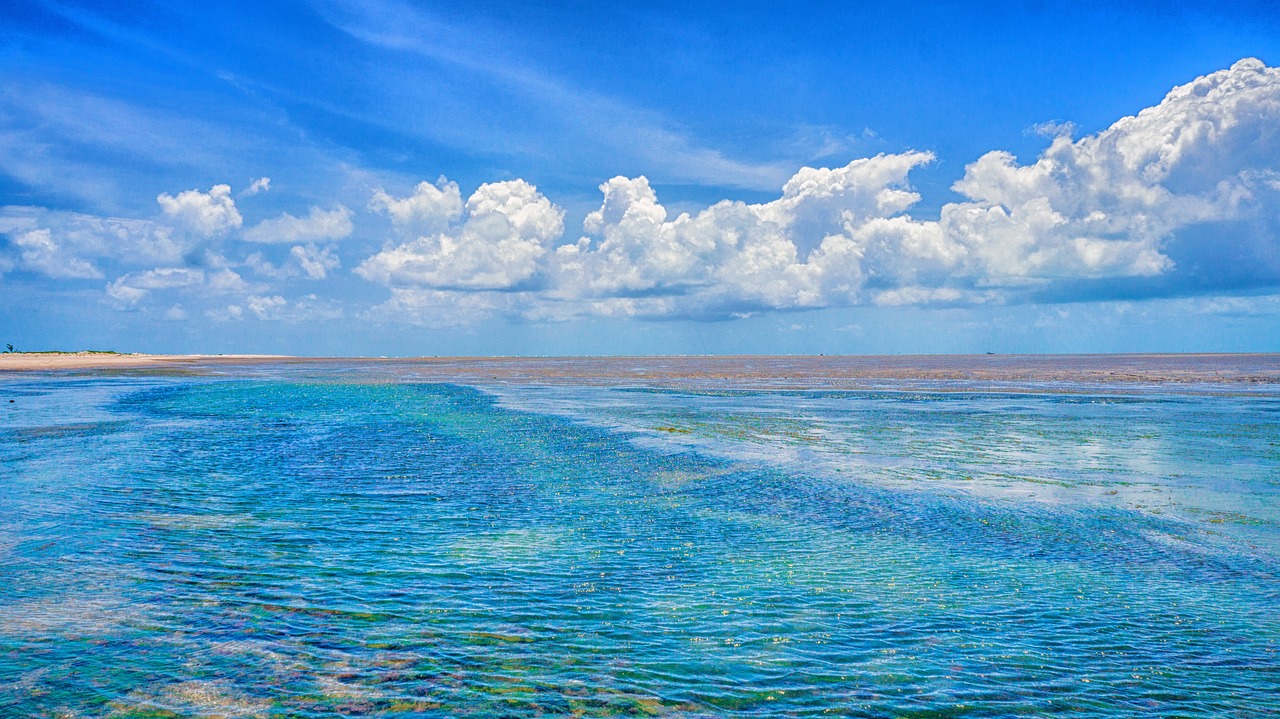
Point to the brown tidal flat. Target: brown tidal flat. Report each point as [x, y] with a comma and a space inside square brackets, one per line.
[1223, 371]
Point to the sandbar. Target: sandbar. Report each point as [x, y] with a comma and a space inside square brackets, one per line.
[36, 361]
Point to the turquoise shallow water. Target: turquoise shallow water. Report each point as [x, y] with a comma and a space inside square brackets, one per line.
[284, 546]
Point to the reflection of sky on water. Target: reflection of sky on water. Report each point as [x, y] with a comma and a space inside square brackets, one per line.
[1206, 459]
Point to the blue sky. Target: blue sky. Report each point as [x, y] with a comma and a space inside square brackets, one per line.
[385, 178]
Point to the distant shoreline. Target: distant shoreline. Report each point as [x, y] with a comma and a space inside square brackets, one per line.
[91, 359]
[724, 371]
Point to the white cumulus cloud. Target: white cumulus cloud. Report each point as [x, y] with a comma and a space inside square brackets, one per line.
[316, 263]
[1122, 204]
[1108, 205]
[431, 208]
[439, 308]
[132, 288]
[40, 252]
[810, 248]
[276, 308]
[205, 213]
[74, 245]
[316, 226]
[1181, 199]
[262, 184]
[495, 243]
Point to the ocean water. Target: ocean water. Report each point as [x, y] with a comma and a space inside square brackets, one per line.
[284, 542]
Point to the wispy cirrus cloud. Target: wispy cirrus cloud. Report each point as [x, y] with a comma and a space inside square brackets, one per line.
[605, 130]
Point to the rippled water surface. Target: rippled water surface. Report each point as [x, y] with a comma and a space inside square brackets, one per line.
[283, 546]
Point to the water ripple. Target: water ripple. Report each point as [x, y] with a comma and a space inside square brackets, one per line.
[197, 547]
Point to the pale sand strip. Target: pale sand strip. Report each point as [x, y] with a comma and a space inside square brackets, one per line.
[20, 361]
